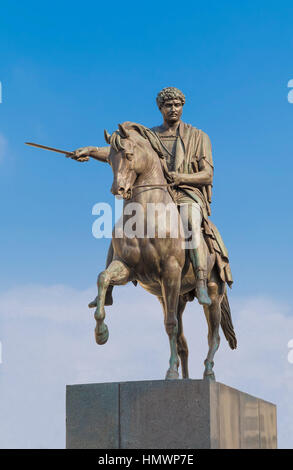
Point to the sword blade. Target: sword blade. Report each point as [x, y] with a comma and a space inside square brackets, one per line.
[52, 149]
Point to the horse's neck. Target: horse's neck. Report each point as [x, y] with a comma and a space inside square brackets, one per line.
[153, 175]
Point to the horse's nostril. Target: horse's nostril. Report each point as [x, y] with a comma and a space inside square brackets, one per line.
[117, 190]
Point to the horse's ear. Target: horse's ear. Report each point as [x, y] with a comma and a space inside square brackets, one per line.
[107, 136]
[123, 132]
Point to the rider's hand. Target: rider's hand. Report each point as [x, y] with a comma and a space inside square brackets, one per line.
[81, 154]
[176, 177]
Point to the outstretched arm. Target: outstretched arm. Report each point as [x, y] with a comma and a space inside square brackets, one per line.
[83, 154]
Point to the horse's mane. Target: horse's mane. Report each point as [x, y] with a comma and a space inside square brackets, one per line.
[116, 139]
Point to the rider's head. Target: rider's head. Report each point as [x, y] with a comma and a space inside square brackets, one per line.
[170, 101]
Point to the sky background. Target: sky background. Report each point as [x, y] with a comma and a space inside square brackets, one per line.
[69, 70]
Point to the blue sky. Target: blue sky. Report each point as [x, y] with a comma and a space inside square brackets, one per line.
[69, 70]
[69, 73]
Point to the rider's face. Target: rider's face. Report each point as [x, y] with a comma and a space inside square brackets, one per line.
[172, 110]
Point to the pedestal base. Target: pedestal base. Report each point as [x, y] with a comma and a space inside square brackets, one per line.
[178, 414]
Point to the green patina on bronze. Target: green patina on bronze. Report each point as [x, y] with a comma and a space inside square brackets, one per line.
[179, 158]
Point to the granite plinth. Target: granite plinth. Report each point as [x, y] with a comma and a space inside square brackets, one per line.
[160, 414]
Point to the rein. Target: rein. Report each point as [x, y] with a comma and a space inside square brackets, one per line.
[152, 185]
[166, 185]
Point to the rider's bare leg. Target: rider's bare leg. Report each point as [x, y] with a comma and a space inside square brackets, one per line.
[196, 249]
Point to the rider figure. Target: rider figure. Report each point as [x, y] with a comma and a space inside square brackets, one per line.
[191, 170]
[187, 152]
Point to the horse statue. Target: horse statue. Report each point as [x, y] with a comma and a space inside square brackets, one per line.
[160, 265]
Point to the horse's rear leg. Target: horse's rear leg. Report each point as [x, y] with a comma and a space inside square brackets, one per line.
[116, 273]
[182, 347]
[171, 279]
[213, 316]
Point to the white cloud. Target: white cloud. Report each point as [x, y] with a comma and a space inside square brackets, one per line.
[48, 342]
[3, 146]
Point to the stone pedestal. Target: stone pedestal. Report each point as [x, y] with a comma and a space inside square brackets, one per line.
[178, 414]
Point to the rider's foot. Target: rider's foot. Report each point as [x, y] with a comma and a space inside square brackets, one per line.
[202, 293]
[201, 287]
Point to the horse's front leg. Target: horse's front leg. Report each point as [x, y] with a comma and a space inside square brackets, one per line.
[171, 280]
[116, 273]
[108, 297]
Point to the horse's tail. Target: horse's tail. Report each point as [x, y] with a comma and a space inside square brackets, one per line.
[226, 323]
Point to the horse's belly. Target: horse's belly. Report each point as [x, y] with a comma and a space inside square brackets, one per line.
[154, 287]
[147, 256]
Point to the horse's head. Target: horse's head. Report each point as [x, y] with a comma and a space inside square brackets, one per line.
[127, 158]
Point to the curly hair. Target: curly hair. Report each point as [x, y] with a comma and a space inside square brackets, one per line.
[169, 93]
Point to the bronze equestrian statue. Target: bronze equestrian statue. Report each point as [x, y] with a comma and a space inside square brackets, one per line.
[168, 166]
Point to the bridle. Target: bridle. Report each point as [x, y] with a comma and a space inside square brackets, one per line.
[158, 185]
[155, 185]
[152, 185]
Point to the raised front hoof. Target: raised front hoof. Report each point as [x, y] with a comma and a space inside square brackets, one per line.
[172, 374]
[101, 334]
[93, 303]
[202, 297]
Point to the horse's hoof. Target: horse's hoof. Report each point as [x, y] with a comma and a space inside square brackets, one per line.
[172, 374]
[209, 373]
[102, 334]
[209, 376]
[93, 303]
